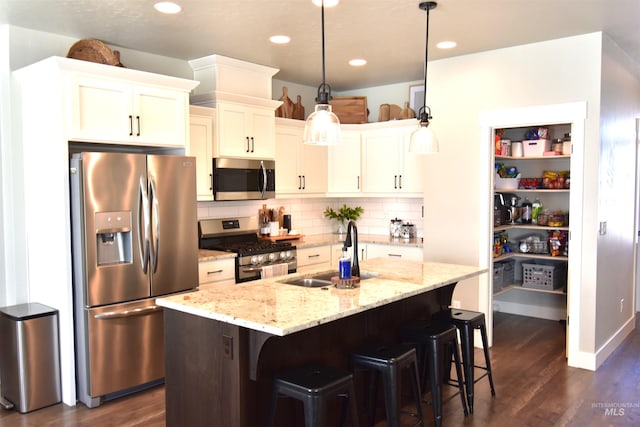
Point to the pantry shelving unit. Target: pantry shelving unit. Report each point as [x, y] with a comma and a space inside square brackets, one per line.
[512, 297]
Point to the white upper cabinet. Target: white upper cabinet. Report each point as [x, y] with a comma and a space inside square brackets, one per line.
[300, 168]
[115, 105]
[201, 141]
[387, 165]
[345, 176]
[245, 131]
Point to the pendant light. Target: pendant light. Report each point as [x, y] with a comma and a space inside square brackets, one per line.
[322, 126]
[423, 140]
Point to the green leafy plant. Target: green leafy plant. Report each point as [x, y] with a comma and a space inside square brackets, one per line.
[345, 213]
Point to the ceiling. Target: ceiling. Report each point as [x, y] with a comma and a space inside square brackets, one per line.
[389, 34]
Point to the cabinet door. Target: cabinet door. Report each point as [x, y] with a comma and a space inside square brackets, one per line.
[233, 139]
[160, 116]
[313, 167]
[201, 131]
[411, 168]
[101, 111]
[344, 168]
[245, 131]
[380, 161]
[288, 178]
[263, 133]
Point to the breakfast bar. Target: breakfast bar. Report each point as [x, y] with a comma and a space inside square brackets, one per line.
[224, 345]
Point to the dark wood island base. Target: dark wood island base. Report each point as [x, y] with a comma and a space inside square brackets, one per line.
[220, 374]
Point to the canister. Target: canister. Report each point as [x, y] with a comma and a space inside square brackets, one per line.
[516, 149]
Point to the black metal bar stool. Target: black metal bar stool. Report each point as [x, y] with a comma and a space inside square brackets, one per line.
[467, 321]
[314, 385]
[434, 341]
[389, 360]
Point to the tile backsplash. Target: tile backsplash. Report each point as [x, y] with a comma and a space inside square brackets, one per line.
[308, 218]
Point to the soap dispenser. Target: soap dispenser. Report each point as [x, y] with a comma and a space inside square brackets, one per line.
[344, 265]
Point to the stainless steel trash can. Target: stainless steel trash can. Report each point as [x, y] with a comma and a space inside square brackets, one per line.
[29, 356]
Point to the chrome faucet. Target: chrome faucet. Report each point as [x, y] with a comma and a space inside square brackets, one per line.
[355, 267]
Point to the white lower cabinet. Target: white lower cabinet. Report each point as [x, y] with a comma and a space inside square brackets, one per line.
[216, 272]
[314, 257]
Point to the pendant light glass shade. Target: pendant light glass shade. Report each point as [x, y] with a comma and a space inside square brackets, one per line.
[322, 126]
[423, 140]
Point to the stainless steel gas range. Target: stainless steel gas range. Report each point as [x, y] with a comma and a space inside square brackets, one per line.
[240, 235]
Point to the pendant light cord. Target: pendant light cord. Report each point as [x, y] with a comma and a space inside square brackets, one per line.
[426, 62]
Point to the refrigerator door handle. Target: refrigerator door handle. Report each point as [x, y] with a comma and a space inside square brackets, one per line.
[155, 246]
[127, 313]
[144, 225]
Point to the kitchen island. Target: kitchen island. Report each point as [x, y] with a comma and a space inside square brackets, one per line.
[224, 345]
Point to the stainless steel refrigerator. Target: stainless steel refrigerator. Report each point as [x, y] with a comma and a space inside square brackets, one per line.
[134, 237]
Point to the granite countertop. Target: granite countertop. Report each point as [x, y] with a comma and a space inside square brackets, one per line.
[277, 308]
[209, 255]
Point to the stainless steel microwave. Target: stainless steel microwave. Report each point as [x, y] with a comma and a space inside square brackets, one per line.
[243, 179]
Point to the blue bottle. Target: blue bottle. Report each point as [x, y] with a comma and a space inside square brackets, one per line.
[344, 265]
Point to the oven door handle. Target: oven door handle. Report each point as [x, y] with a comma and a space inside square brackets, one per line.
[128, 313]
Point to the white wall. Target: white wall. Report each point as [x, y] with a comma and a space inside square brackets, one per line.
[620, 107]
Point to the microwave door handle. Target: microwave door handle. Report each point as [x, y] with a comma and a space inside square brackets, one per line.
[264, 179]
[155, 242]
[143, 224]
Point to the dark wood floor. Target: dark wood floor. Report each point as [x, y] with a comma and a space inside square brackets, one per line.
[534, 387]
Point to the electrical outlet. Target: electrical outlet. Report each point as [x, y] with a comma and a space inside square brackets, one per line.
[227, 346]
[621, 304]
[455, 303]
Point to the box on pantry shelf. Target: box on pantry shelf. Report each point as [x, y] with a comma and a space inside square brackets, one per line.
[506, 183]
[545, 275]
[536, 147]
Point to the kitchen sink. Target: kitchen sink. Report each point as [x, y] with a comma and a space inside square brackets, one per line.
[321, 280]
[330, 274]
[308, 282]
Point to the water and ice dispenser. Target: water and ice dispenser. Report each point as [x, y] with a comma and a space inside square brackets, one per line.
[113, 237]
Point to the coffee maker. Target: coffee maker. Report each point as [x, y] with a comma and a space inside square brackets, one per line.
[506, 209]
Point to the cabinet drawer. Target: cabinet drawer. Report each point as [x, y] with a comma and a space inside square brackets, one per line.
[314, 256]
[392, 251]
[216, 270]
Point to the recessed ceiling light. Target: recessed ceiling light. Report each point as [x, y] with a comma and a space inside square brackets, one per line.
[327, 3]
[167, 7]
[446, 45]
[280, 39]
[357, 62]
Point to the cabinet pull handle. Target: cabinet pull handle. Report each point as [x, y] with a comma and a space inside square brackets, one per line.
[130, 125]
[138, 120]
[253, 145]
[214, 272]
[247, 138]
